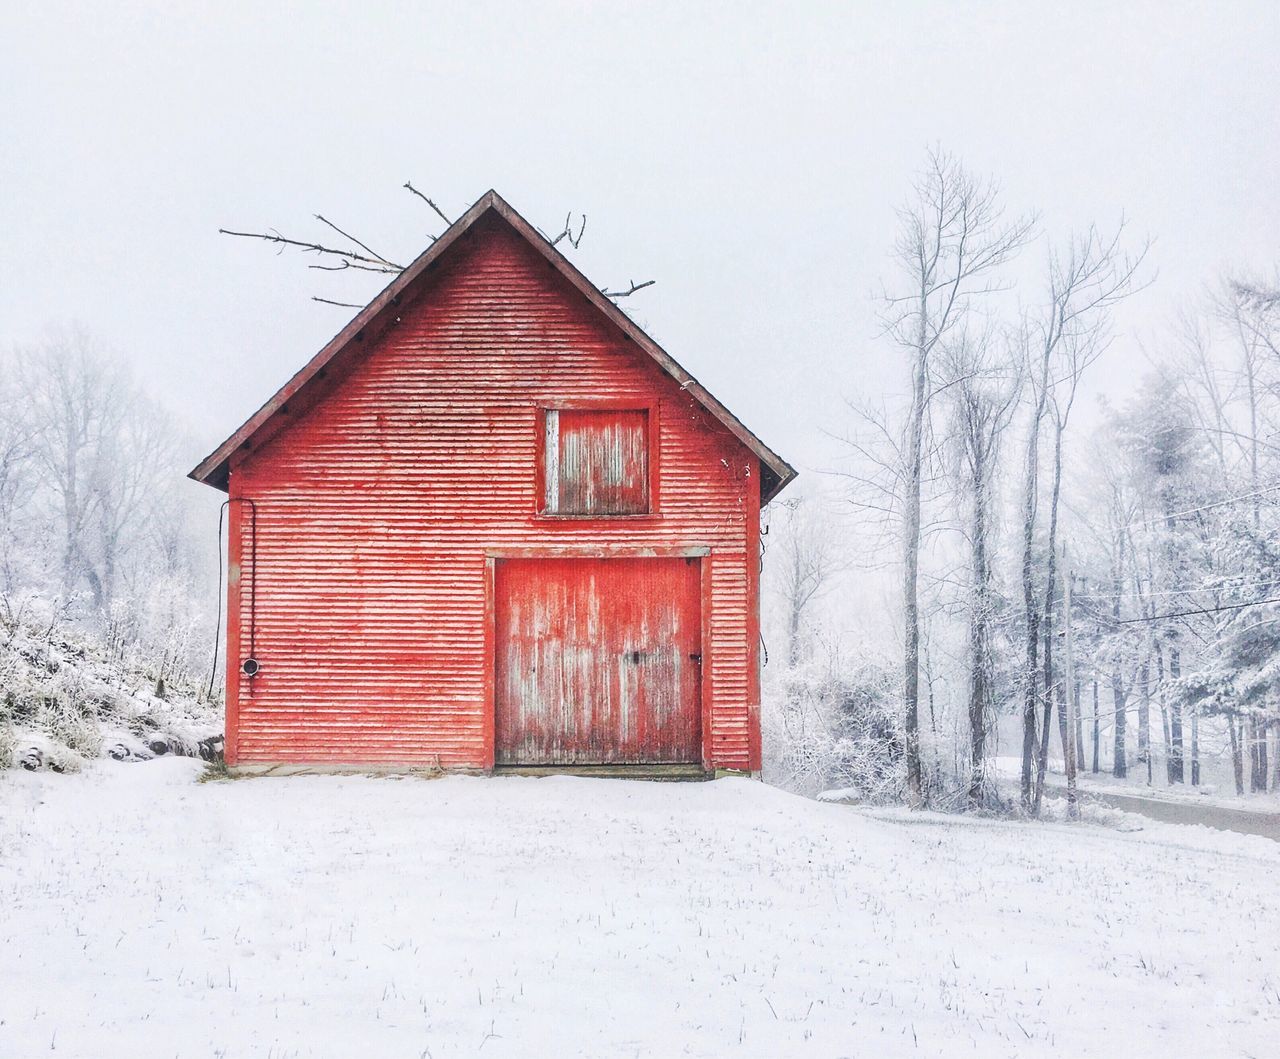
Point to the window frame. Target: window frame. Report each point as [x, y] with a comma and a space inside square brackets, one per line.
[649, 407]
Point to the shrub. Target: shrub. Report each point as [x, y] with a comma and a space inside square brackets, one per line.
[8, 744]
[826, 728]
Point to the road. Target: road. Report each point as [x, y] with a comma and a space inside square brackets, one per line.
[1188, 812]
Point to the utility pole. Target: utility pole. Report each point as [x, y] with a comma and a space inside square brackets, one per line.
[1069, 748]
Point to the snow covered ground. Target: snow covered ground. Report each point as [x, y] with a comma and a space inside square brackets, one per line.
[143, 914]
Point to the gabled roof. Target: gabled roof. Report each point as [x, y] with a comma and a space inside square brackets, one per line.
[214, 469]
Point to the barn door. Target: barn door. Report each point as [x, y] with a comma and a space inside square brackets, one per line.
[599, 661]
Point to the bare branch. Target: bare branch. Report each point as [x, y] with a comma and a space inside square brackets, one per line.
[567, 232]
[1256, 294]
[627, 293]
[439, 212]
[342, 266]
[366, 259]
[375, 264]
[329, 301]
[362, 246]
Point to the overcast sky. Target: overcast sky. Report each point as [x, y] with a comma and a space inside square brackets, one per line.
[747, 157]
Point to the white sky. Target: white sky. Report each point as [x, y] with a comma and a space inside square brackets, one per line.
[748, 157]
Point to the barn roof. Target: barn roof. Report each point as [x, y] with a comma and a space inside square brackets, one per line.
[214, 469]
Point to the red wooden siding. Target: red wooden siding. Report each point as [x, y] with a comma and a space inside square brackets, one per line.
[599, 661]
[382, 501]
[597, 461]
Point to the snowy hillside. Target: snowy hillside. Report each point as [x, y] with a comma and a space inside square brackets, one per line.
[66, 698]
[147, 914]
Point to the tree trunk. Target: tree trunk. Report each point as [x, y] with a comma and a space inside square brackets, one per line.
[1065, 722]
[977, 734]
[1195, 747]
[1275, 780]
[1237, 754]
[933, 719]
[70, 507]
[1080, 765]
[1097, 732]
[979, 645]
[1257, 755]
[1164, 714]
[911, 568]
[1042, 759]
[1119, 764]
[1263, 770]
[1251, 736]
[1030, 604]
[1176, 768]
[1032, 675]
[1029, 716]
[1053, 691]
[1144, 717]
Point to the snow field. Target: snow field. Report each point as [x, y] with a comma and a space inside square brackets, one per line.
[143, 914]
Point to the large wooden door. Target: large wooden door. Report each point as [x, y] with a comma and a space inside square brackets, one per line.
[599, 661]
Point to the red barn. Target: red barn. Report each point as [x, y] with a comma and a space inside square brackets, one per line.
[492, 523]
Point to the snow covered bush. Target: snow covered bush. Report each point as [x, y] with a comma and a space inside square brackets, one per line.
[68, 697]
[73, 722]
[827, 725]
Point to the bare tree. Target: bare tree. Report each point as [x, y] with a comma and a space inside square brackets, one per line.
[1078, 350]
[73, 396]
[982, 399]
[952, 239]
[1085, 283]
[135, 451]
[99, 451]
[17, 444]
[806, 556]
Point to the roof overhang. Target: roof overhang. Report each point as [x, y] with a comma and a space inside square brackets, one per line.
[214, 470]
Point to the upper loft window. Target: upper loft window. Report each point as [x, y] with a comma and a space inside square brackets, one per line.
[596, 462]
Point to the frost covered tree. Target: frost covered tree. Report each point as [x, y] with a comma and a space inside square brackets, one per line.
[95, 524]
[807, 554]
[982, 397]
[72, 397]
[101, 453]
[1167, 453]
[1085, 281]
[953, 238]
[17, 442]
[1237, 678]
[1187, 623]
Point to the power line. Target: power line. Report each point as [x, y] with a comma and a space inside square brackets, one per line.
[1203, 507]
[1176, 591]
[1188, 613]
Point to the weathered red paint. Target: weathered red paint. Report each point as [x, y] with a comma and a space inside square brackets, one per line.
[393, 482]
[599, 661]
